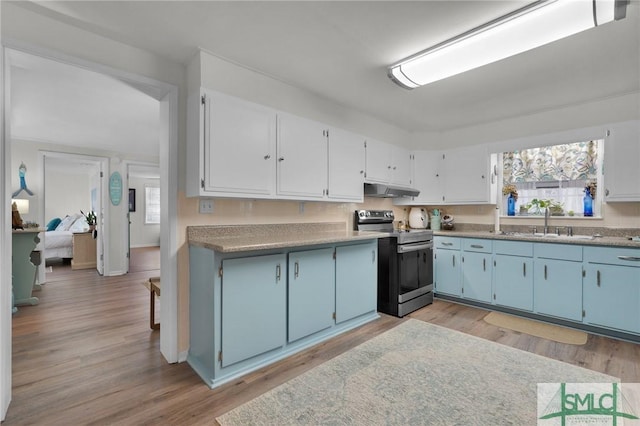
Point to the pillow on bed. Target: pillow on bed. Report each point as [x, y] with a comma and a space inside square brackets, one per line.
[53, 224]
[80, 225]
[66, 223]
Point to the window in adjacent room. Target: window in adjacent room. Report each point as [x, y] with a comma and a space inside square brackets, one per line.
[151, 205]
[554, 177]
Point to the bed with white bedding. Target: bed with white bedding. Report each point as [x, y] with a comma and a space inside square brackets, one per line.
[58, 243]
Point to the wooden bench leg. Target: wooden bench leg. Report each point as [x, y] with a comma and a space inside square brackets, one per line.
[152, 310]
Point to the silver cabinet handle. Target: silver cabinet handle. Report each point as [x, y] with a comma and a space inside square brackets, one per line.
[296, 270]
[476, 246]
[631, 258]
[484, 264]
[447, 244]
[545, 272]
[373, 256]
[278, 272]
[281, 159]
[266, 157]
[598, 278]
[606, 192]
[524, 269]
[454, 260]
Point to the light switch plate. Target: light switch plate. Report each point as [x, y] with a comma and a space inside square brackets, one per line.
[206, 206]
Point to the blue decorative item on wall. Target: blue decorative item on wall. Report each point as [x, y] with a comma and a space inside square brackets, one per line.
[22, 170]
[115, 188]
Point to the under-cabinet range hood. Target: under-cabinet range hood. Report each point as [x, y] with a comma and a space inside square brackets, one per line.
[380, 190]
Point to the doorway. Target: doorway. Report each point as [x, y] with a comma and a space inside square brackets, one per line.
[144, 216]
[73, 184]
[167, 95]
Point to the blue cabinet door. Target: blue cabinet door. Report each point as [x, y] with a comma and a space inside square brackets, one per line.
[356, 280]
[476, 276]
[311, 292]
[558, 288]
[447, 272]
[612, 297]
[513, 283]
[253, 306]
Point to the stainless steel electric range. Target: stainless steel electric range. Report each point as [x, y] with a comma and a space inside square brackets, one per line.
[405, 263]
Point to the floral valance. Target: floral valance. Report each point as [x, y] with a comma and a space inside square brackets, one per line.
[575, 161]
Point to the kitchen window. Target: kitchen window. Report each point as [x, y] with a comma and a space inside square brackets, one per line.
[554, 177]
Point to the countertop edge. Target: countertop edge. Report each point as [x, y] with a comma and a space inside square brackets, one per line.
[230, 246]
[597, 241]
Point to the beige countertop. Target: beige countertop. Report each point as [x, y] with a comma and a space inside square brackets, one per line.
[239, 238]
[576, 239]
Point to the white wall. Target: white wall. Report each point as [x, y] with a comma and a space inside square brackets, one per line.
[217, 74]
[66, 193]
[597, 113]
[142, 235]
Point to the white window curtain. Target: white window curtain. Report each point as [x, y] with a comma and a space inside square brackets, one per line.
[559, 173]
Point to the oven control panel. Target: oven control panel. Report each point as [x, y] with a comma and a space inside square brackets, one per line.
[385, 216]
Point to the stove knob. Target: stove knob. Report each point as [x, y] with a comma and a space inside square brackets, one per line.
[368, 214]
[361, 214]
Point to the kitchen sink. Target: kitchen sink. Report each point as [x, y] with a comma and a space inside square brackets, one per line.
[549, 236]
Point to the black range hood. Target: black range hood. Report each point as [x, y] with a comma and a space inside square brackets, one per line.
[379, 190]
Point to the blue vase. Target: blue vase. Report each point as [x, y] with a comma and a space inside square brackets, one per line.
[587, 202]
[511, 206]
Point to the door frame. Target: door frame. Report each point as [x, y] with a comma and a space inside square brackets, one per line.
[167, 94]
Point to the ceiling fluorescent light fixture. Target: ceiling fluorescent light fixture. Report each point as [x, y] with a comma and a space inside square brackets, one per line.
[531, 26]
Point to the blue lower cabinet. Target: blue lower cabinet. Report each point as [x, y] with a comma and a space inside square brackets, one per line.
[356, 280]
[253, 306]
[612, 297]
[558, 288]
[513, 282]
[312, 295]
[476, 276]
[447, 272]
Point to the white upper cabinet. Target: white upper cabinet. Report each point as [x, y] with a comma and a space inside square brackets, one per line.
[401, 166]
[233, 152]
[378, 161]
[468, 176]
[426, 179]
[386, 163]
[621, 159]
[346, 166]
[457, 176]
[302, 158]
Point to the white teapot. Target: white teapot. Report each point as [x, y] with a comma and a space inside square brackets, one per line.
[418, 218]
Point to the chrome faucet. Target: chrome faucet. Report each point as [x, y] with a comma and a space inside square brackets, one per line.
[546, 220]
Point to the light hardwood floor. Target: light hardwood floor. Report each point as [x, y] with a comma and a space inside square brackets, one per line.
[86, 355]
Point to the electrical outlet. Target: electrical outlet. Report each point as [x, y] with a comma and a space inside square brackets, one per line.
[206, 206]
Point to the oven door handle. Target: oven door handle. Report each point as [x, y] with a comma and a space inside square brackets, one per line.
[407, 248]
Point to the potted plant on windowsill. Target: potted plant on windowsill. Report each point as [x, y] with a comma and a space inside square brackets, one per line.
[90, 217]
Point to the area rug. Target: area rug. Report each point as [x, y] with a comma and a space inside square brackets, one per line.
[537, 328]
[419, 374]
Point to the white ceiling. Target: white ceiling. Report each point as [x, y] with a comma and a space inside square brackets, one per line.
[57, 103]
[341, 49]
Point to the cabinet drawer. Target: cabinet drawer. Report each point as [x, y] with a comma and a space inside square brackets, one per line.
[558, 251]
[613, 256]
[447, 242]
[475, 244]
[513, 248]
